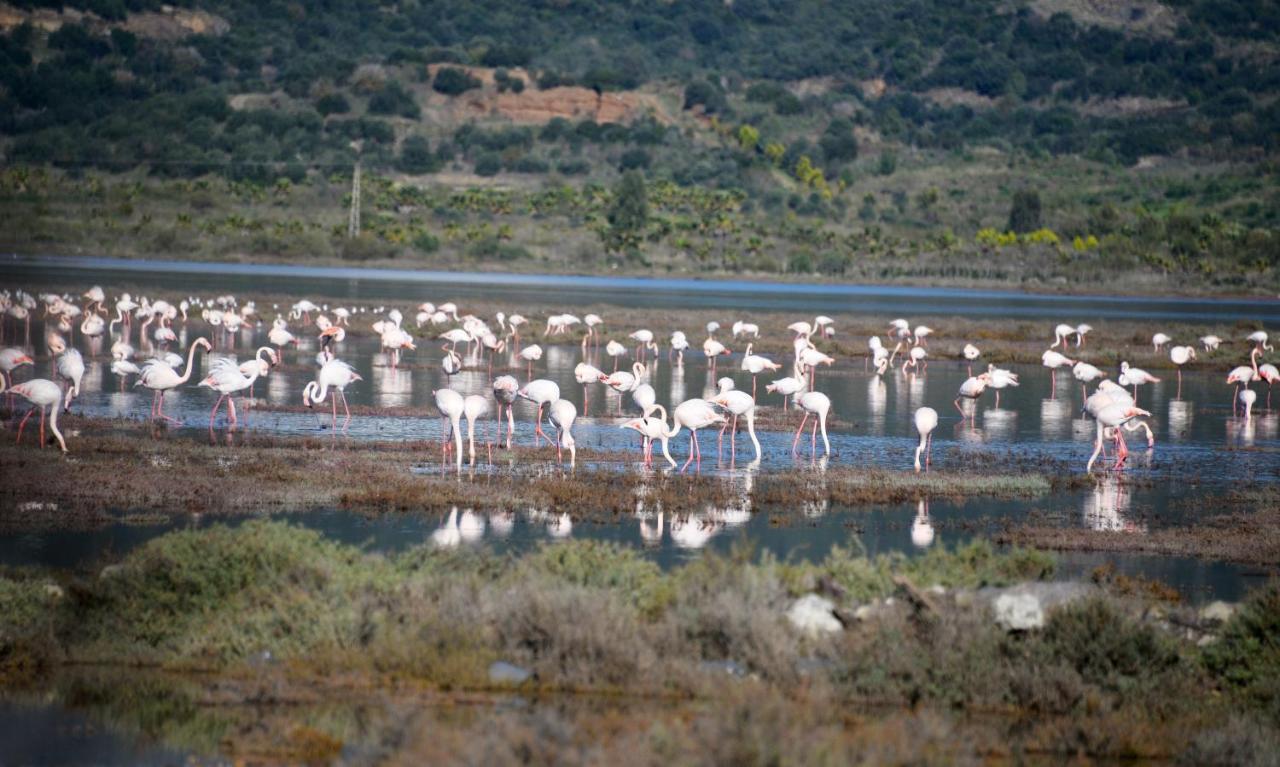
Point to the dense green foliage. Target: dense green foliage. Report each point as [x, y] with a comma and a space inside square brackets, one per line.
[835, 128]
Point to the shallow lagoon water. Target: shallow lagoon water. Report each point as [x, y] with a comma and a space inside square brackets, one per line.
[1202, 450]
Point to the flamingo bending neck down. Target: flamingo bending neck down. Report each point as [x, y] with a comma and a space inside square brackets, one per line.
[505, 389]
[563, 413]
[45, 395]
[451, 406]
[693, 414]
[926, 419]
[652, 429]
[738, 403]
[819, 405]
[337, 375]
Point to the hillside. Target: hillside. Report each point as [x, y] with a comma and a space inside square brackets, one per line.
[1142, 135]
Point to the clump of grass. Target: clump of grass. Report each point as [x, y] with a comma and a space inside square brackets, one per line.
[1246, 658]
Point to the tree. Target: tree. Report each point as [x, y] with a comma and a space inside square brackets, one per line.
[838, 142]
[629, 213]
[1024, 214]
[453, 82]
[748, 137]
[416, 156]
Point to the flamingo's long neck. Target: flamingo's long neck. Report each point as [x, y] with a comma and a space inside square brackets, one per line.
[322, 393]
[191, 356]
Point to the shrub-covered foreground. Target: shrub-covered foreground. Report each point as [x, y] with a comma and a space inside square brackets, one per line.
[711, 638]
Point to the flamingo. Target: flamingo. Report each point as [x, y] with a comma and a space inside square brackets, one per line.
[999, 378]
[337, 375]
[741, 328]
[451, 406]
[713, 349]
[227, 378]
[972, 389]
[1054, 360]
[819, 405]
[11, 359]
[679, 343]
[1271, 375]
[971, 353]
[1259, 337]
[1082, 330]
[1181, 355]
[1242, 374]
[45, 395]
[451, 363]
[1158, 341]
[1210, 343]
[97, 298]
[738, 403]
[70, 366]
[915, 359]
[93, 326]
[622, 381]
[586, 374]
[1131, 376]
[122, 369]
[926, 419]
[1061, 333]
[1086, 374]
[653, 429]
[876, 346]
[787, 387]
[644, 340]
[645, 398]
[1113, 417]
[591, 321]
[263, 366]
[1247, 398]
[693, 414]
[562, 413]
[756, 364]
[475, 407]
[505, 390]
[615, 350]
[530, 354]
[809, 359]
[543, 393]
[160, 378]
[920, 334]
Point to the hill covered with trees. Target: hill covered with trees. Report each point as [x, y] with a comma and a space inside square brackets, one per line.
[1132, 133]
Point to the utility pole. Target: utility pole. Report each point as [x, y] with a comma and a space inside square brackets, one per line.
[353, 222]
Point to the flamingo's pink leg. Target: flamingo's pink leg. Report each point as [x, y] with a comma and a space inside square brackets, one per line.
[22, 424]
[213, 413]
[231, 409]
[799, 431]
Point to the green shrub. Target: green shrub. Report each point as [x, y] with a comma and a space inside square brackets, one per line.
[1246, 657]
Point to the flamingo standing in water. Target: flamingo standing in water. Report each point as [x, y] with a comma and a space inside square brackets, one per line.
[161, 378]
[756, 364]
[972, 389]
[530, 354]
[227, 378]
[926, 419]
[70, 367]
[1061, 333]
[563, 413]
[587, 374]
[45, 395]
[970, 354]
[1086, 374]
[1247, 398]
[541, 392]
[787, 387]
[738, 403]
[1135, 377]
[505, 391]
[615, 350]
[713, 349]
[1054, 360]
[1181, 355]
[999, 378]
[819, 405]
[653, 429]
[1271, 375]
[1113, 417]
[693, 414]
[337, 375]
[475, 407]
[1242, 375]
[451, 405]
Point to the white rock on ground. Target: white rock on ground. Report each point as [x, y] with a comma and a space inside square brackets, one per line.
[1024, 607]
[814, 615]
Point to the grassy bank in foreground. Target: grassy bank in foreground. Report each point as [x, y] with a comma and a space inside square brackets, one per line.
[1105, 676]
